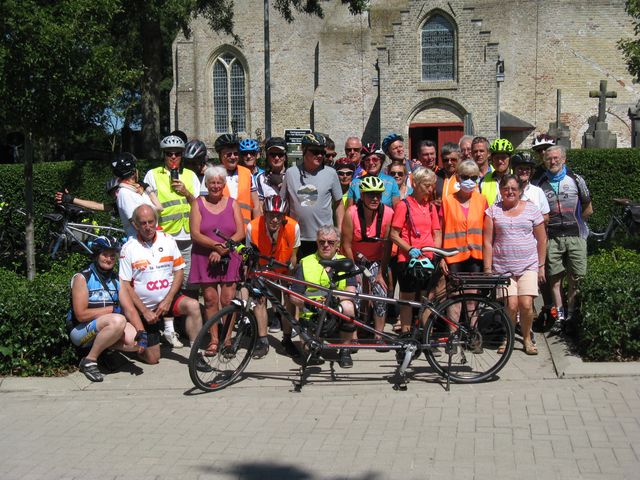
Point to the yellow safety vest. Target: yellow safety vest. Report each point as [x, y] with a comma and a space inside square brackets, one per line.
[175, 208]
[315, 273]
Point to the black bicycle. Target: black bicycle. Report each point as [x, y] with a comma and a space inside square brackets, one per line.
[625, 219]
[461, 336]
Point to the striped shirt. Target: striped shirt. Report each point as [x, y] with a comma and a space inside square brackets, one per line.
[514, 245]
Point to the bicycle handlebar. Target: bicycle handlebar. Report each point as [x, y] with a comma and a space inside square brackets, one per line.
[444, 252]
[242, 249]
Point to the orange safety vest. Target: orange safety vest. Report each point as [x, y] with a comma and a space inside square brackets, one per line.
[282, 251]
[463, 232]
[244, 193]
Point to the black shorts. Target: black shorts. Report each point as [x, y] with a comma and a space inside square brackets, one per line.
[154, 330]
[470, 265]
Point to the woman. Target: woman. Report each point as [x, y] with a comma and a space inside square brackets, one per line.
[344, 168]
[213, 266]
[95, 320]
[268, 182]
[365, 238]
[399, 173]
[515, 243]
[415, 225]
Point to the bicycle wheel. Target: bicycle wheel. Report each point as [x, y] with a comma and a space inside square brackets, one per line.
[237, 334]
[484, 328]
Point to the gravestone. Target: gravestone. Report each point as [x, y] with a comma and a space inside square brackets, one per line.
[601, 137]
[634, 115]
[558, 129]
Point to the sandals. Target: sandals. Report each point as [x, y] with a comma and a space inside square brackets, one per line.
[212, 349]
[502, 348]
[530, 348]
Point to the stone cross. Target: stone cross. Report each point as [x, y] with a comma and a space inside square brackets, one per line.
[602, 95]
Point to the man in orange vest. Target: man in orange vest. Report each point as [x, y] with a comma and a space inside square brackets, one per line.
[240, 183]
[276, 236]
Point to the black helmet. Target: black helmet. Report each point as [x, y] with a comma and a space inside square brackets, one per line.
[124, 165]
[313, 140]
[195, 149]
[523, 158]
[102, 243]
[276, 142]
[226, 140]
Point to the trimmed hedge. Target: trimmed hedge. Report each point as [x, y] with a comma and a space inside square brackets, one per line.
[610, 327]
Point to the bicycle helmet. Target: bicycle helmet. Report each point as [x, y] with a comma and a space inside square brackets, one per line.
[171, 141]
[420, 269]
[124, 165]
[276, 142]
[371, 184]
[371, 149]
[344, 162]
[389, 139]
[543, 141]
[249, 145]
[111, 185]
[523, 158]
[226, 140]
[276, 204]
[195, 149]
[103, 243]
[501, 145]
[313, 140]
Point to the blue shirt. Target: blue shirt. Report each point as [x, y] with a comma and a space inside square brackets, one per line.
[391, 189]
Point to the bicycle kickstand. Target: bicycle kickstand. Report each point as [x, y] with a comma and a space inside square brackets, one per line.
[450, 348]
[401, 373]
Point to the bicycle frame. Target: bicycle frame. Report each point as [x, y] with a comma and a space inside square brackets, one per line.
[73, 229]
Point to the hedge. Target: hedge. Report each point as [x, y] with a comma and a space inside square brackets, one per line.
[610, 326]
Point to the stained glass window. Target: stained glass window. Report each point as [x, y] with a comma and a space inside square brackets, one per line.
[438, 49]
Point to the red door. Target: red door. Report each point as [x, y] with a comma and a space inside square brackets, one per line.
[440, 133]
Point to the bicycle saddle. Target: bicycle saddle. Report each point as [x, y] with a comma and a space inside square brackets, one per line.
[340, 265]
[54, 217]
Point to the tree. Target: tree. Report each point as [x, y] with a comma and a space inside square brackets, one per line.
[631, 47]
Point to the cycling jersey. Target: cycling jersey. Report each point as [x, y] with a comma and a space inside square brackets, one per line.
[98, 295]
[566, 201]
[150, 267]
[374, 249]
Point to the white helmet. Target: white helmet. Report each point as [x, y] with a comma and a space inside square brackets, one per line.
[171, 142]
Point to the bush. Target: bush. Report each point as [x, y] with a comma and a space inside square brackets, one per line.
[610, 327]
[32, 321]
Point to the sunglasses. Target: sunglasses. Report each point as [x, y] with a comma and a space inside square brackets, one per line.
[396, 174]
[352, 149]
[345, 173]
[315, 153]
[331, 243]
[277, 154]
[172, 154]
[469, 177]
[331, 155]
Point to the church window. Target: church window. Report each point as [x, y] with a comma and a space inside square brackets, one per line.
[438, 49]
[229, 94]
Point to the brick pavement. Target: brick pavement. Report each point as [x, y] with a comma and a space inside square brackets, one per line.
[147, 422]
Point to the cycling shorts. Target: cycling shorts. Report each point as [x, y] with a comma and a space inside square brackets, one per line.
[83, 334]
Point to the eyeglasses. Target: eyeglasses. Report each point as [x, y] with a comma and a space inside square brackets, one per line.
[230, 154]
[352, 149]
[345, 173]
[172, 154]
[315, 153]
[277, 154]
[469, 177]
[396, 174]
[331, 243]
[372, 158]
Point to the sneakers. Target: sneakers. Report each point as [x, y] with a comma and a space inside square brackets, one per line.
[172, 339]
[260, 350]
[274, 324]
[91, 370]
[344, 359]
[202, 366]
[289, 348]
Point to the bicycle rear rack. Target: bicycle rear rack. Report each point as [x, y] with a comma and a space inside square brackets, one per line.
[486, 283]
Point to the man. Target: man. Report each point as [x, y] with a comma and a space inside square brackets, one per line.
[249, 152]
[313, 191]
[330, 153]
[465, 147]
[523, 167]
[269, 182]
[446, 182]
[372, 159]
[176, 188]
[480, 154]
[393, 147]
[539, 145]
[352, 148]
[570, 205]
[427, 155]
[501, 150]
[240, 182]
[151, 273]
[276, 236]
[195, 159]
[310, 270]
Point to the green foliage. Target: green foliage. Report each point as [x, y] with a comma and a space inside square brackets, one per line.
[610, 327]
[630, 47]
[32, 321]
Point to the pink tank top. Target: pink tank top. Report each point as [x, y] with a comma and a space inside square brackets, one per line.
[372, 250]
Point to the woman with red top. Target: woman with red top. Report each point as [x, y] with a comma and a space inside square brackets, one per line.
[415, 225]
[365, 239]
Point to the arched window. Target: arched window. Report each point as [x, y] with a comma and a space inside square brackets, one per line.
[438, 49]
[228, 94]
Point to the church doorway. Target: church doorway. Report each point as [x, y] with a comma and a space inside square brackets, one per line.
[440, 133]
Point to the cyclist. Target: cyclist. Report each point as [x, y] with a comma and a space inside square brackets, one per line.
[268, 183]
[249, 153]
[415, 224]
[131, 192]
[501, 150]
[539, 145]
[110, 188]
[523, 167]
[372, 159]
[310, 270]
[344, 168]
[330, 153]
[465, 147]
[95, 320]
[195, 159]
[446, 182]
[365, 238]
[176, 188]
[276, 236]
[480, 154]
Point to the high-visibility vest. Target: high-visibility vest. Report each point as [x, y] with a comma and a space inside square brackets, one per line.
[282, 251]
[315, 273]
[449, 186]
[175, 207]
[489, 188]
[244, 193]
[463, 232]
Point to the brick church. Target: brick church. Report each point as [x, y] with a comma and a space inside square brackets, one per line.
[426, 69]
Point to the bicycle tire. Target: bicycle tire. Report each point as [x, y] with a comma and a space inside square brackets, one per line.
[491, 323]
[233, 355]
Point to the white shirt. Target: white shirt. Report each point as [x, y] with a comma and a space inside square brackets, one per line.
[128, 200]
[535, 195]
[150, 267]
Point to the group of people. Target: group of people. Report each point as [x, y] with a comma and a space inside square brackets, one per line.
[503, 213]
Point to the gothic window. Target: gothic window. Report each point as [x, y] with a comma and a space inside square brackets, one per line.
[229, 94]
[438, 49]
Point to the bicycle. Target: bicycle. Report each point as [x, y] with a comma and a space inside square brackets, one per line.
[481, 322]
[72, 235]
[628, 221]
